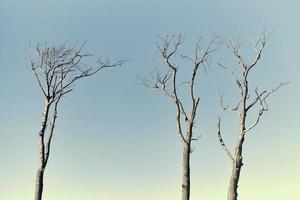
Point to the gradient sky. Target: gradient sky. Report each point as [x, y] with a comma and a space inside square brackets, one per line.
[116, 140]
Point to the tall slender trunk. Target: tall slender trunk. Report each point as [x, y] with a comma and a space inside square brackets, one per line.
[39, 181]
[39, 184]
[238, 157]
[186, 173]
[235, 176]
[40, 172]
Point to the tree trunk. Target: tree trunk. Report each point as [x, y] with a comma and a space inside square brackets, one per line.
[237, 165]
[234, 180]
[186, 173]
[39, 181]
[40, 172]
[39, 184]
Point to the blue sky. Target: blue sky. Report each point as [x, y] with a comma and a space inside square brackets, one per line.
[117, 140]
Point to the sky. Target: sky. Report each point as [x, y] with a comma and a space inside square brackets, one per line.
[117, 140]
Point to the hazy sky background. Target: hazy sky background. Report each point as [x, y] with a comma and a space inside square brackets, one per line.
[116, 140]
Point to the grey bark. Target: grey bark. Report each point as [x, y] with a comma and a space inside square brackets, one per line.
[186, 182]
[236, 171]
[238, 158]
[39, 184]
[40, 172]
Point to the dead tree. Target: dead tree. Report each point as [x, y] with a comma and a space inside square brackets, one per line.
[245, 104]
[56, 70]
[167, 83]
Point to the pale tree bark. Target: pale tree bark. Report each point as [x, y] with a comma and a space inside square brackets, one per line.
[41, 166]
[56, 69]
[186, 185]
[168, 84]
[243, 107]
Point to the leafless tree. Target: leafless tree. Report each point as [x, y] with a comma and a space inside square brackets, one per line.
[167, 83]
[246, 104]
[56, 70]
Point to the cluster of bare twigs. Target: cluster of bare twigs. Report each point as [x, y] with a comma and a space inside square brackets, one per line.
[167, 82]
[58, 68]
[245, 104]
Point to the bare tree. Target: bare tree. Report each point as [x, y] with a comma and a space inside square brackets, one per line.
[56, 70]
[243, 107]
[167, 83]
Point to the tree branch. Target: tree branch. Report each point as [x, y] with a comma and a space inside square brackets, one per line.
[222, 142]
[261, 98]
